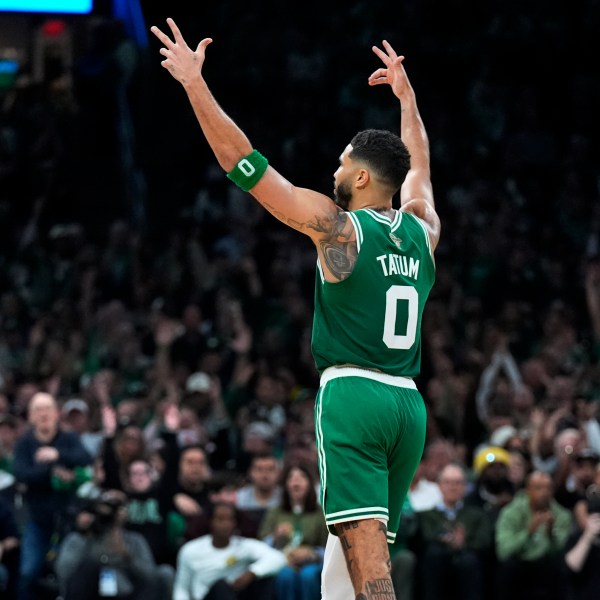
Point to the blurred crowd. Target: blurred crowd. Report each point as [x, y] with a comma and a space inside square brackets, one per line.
[155, 370]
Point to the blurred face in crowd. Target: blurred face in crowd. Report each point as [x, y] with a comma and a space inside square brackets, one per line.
[297, 484]
[130, 444]
[539, 490]
[76, 420]
[43, 412]
[437, 456]
[222, 524]
[568, 442]
[140, 476]
[452, 484]
[264, 473]
[193, 467]
[584, 471]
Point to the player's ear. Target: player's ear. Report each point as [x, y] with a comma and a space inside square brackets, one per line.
[362, 179]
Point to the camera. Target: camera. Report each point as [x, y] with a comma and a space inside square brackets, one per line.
[105, 510]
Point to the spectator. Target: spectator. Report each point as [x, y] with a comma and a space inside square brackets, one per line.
[224, 488]
[424, 492]
[9, 556]
[121, 448]
[147, 509]
[75, 416]
[106, 560]
[263, 490]
[46, 460]
[531, 534]
[297, 527]
[582, 558]
[456, 541]
[581, 475]
[223, 566]
[190, 491]
[493, 488]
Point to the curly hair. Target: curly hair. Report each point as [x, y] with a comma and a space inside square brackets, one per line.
[384, 153]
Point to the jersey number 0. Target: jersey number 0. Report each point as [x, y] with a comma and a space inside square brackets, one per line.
[395, 294]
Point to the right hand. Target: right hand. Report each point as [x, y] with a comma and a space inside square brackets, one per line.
[393, 74]
[181, 61]
[46, 454]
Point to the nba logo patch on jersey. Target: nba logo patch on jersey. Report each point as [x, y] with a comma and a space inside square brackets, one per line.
[396, 240]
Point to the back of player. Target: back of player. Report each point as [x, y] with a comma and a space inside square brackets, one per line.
[370, 418]
[372, 319]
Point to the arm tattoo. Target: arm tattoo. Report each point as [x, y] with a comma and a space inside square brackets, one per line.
[380, 589]
[337, 248]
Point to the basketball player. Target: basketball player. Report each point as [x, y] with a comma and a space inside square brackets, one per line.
[375, 269]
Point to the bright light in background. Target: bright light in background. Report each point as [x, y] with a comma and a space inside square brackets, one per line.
[47, 6]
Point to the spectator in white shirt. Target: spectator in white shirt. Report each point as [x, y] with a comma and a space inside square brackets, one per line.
[224, 566]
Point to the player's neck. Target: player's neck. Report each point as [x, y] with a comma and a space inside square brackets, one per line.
[383, 206]
[384, 209]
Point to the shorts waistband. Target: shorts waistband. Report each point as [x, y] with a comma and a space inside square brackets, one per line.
[334, 372]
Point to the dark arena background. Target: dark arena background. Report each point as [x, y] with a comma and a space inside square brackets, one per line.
[162, 307]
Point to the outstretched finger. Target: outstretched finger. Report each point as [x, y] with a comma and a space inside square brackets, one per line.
[202, 45]
[163, 37]
[382, 55]
[391, 52]
[176, 33]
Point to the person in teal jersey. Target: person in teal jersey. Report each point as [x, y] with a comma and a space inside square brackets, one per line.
[375, 269]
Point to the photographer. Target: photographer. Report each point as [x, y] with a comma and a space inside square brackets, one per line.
[103, 559]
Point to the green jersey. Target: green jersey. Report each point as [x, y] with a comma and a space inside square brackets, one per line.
[372, 319]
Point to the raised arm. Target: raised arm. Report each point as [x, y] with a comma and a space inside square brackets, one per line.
[416, 195]
[312, 213]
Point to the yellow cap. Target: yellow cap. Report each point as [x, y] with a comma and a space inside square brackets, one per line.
[489, 455]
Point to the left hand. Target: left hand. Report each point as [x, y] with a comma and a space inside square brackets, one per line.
[243, 581]
[181, 61]
[63, 474]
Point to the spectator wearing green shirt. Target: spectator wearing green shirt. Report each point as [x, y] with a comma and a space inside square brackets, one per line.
[531, 534]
